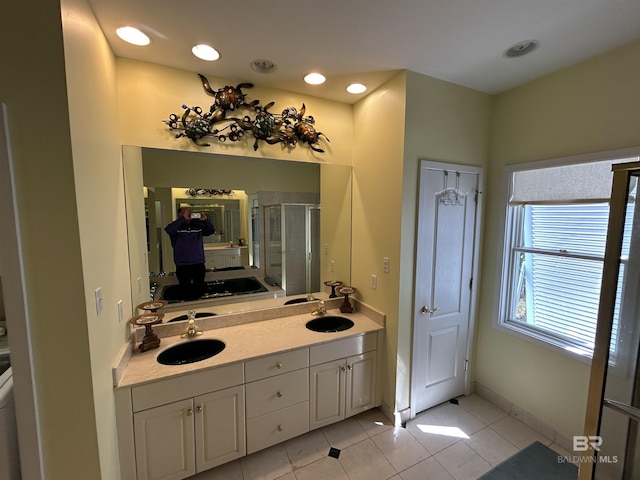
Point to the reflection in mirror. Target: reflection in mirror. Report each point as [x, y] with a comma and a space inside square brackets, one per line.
[282, 227]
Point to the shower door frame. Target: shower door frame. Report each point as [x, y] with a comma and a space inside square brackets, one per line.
[600, 360]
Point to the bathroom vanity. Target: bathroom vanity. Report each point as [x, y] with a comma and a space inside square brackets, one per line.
[273, 380]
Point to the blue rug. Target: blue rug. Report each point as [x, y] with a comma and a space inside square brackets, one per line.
[535, 462]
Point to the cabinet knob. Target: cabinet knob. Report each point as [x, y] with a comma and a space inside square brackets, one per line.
[280, 428]
[349, 367]
[343, 369]
[278, 365]
[279, 394]
[199, 409]
[189, 412]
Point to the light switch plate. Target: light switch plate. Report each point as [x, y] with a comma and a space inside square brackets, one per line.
[385, 264]
[98, 296]
[120, 311]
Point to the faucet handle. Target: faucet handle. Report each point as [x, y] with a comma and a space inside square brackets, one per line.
[192, 331]
[320, 310]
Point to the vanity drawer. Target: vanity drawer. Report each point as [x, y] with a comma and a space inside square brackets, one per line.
[346, 347]
[277, 392]
[185, 386]
[276, 427]
[276, 364]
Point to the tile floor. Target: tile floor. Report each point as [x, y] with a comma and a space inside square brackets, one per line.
[447, 442]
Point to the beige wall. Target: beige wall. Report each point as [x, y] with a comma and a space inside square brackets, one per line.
[34, 88]
[97, 168]
[378, 146]
[590, 107]
[423, 118]
[148, 94]
[444, 123]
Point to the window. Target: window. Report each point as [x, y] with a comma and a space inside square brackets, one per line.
[555, 236]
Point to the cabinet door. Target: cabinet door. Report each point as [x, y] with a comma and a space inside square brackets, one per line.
[210, 259]
[327, 393]
[361, 383]
[220, 427]
[164, 442]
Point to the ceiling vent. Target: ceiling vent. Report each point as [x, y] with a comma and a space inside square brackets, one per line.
[263, 66]
[521, 48]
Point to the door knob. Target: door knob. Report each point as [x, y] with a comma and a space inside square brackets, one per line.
[428, 310]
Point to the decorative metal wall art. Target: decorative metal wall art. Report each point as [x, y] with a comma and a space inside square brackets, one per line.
[206, 192]
[288, 128]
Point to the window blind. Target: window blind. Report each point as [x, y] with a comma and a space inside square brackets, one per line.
[563, 250]
[565, 184]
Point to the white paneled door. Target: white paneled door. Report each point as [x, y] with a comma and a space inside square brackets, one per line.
[444, 297]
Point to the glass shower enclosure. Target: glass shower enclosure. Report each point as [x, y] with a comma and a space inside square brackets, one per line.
[292, 250]
[610, 446]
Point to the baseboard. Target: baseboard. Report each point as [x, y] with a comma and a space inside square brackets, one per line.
[397, 418]
[521, 414]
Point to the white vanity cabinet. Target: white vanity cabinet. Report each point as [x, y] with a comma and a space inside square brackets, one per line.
[278, 399]
[173, 437]
[173, 428]
[226, 257]
[183, 438]
[342, 379]
[165, 442]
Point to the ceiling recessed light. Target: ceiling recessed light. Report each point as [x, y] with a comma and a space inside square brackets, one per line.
[263, 65]
[356, 88]
[133, 36]
[205, 52]
[314, 78]
[521, 48]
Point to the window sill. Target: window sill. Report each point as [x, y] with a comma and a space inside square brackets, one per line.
[544, 342]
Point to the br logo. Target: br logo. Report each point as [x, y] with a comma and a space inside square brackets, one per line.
[581, 443]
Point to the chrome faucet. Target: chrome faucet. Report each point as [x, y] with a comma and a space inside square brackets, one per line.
[320, 310]
[192, 331]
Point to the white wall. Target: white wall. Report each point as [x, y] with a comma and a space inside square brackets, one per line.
[590, 107]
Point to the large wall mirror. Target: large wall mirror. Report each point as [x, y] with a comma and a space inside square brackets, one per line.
[283, 228]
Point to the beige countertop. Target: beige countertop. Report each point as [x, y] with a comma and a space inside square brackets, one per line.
[222, 246]
[243, 342]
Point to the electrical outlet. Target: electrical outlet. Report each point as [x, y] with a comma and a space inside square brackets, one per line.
[385, 264]
[98, 295]
[374, 282]
[333, 266]
[120, 311]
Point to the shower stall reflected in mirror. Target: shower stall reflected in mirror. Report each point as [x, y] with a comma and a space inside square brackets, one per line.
[292, 250]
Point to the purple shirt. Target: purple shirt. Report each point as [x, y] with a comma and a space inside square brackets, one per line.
[186, 240]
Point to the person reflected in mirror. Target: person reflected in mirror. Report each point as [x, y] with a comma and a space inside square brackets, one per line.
[186, 234]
